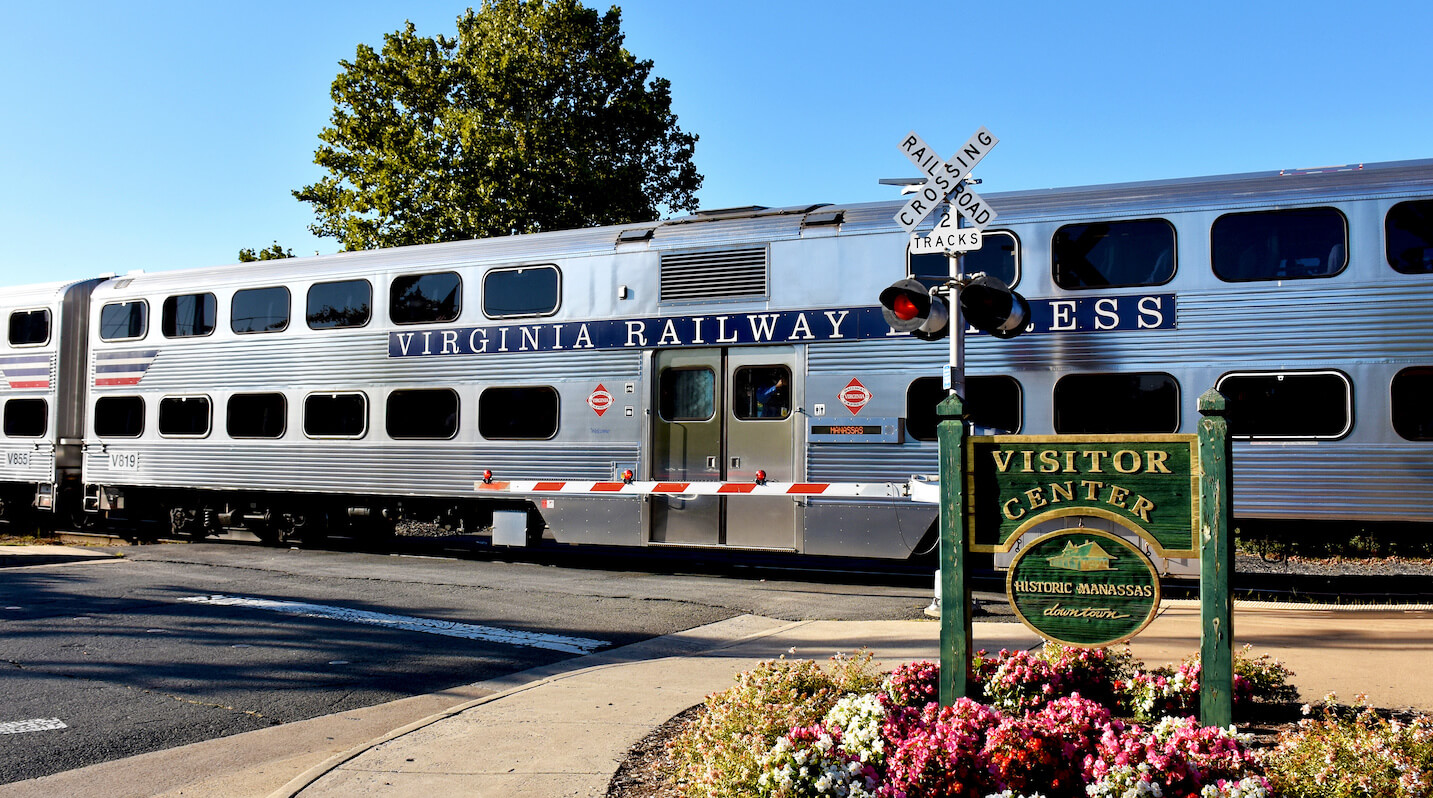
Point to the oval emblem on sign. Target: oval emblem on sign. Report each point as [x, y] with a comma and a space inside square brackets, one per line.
[599, 400]
[1083, 587]
[855, 396]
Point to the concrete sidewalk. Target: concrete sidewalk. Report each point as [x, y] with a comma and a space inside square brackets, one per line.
[566, 734]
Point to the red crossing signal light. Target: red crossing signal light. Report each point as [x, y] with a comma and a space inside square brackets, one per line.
[907, 306]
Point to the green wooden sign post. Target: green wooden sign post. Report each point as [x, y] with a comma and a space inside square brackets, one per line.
[1172, 491]
[1216, 565]
[955, 603]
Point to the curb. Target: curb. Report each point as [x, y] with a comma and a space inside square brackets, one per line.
[306, 779]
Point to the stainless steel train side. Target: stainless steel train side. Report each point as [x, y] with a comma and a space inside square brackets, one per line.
[374, 471]
[577, 355]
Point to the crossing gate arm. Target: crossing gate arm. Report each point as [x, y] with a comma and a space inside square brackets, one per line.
[883, 490]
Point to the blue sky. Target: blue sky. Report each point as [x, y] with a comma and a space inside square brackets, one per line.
[160, 135]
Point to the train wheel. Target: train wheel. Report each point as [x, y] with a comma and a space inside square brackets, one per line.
[181, 521]
[303, 527]
[196, 523]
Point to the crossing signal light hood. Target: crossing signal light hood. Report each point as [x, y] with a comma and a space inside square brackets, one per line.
[988, 304]
[908, 307]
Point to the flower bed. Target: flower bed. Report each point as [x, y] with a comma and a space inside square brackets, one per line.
[1064, 722]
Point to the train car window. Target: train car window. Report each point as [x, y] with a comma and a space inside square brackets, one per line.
[518, 414]
[30, 327]
[528, 291]
[999, 255]
[185, 416]
[1408, 236]
[1279, 245]
[187, 315]
[423, 298]
[422, 414]
[119, 416]
[761, 393]
[994, 403]
[1291, 404]
[346, 303]
[686, 394]
[257, 415]
[26, 418]
[122, 321]
[1118, 404]
[1114, 254]
[336, 415]
[1412, 412]
[922, 398]
[259, 310]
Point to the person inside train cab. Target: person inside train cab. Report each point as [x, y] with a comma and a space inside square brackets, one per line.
[773, 395]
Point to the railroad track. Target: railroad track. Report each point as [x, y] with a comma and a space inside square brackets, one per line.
[1325, 586]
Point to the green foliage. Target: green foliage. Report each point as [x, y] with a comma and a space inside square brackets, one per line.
[274, 252]
[1020, 680]
[1353, 753]
[1332, 540]
[719, 755]
[533, 118]
[1170, 690]
[792, 729]
[1261, 678]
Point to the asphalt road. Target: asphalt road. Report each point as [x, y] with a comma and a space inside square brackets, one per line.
[175, 644]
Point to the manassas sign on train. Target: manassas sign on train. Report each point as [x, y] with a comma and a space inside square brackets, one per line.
[1081, 314]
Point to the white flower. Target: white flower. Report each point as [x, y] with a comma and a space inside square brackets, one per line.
[859, 717]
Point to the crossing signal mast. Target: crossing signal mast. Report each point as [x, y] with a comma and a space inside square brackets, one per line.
[981, 300]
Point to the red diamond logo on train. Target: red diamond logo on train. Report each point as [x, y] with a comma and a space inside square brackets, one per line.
[599, 400]
[855, 396]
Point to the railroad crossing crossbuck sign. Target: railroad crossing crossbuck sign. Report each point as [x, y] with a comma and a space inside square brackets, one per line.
[946, 178]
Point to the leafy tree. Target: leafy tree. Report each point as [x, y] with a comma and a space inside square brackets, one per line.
[272, 253]
[534, 118]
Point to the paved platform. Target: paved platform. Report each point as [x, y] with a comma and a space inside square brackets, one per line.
[33, 555]
[563, 730]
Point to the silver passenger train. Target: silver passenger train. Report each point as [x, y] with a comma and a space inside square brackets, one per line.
[337, 394]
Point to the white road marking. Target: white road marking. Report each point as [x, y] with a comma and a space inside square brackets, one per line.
[37, 724]
[491, 634]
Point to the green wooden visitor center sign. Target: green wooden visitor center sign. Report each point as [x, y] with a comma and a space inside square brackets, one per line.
[1146, 483]
[1083, 581]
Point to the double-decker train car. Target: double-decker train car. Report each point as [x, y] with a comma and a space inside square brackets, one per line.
[320, 394]
[339, 393]
[43, 410]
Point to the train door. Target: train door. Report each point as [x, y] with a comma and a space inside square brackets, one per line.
[724, 415]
